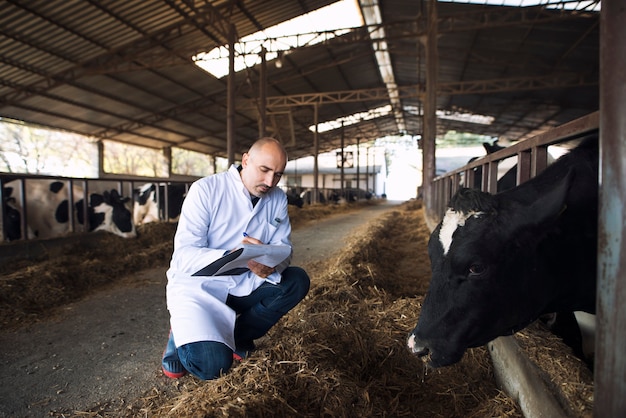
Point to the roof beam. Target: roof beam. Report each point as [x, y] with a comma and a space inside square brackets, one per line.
[508, 16]
[561, 80]
[332, 97]
[558, 80]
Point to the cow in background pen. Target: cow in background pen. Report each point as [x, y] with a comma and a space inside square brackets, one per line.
[150, 201]
[48, 212]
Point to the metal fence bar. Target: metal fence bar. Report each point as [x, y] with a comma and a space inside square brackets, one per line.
[536, 147]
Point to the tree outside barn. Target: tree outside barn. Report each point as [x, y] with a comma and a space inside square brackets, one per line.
[36, 150]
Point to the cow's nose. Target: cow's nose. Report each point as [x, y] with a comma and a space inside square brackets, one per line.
[417, 348]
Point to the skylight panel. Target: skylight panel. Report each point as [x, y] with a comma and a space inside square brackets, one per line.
[332, 20]
[466, 117]
[460, 116]
[352, 119]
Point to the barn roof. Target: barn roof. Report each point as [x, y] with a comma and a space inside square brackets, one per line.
[123, 71]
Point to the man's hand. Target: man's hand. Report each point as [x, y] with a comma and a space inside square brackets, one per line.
[257, 268]
[250, 240]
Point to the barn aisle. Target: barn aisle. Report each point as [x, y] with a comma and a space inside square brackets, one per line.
[102, 352]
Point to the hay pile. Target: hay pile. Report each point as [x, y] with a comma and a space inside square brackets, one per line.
[567, 376]
[342, 351]
[68, 269]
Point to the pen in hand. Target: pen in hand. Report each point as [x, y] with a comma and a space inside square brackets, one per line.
[250, 240]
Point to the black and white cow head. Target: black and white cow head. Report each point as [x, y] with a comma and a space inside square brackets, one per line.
[150, 206]
[145, 208]
[108, 211]
[500, 261]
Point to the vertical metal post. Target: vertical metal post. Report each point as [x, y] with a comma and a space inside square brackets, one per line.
[3, 237]
[492, 177]
[367, 168]
[524, 163]
[316, 150]
[24, 206]
[539, 161]
[71, 202]
[230, 106]
[343, 161]
[167, 154]
[100, 148]
[610, 360]
[430, 109]
[358, 165]
[263, 95]
[374, 173]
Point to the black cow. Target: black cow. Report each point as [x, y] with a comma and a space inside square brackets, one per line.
[501, 261]
[48, 212]
[293, 198]
[11, 217]
[307, 197]
[148, 209]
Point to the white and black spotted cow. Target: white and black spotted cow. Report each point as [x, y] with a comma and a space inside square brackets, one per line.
[48, 214]
[501, 261]
[150, 207]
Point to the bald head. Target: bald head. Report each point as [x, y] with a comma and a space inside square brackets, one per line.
[263, 166]
[267, 145]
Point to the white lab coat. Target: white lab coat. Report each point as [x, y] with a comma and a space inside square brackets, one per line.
[216, 212]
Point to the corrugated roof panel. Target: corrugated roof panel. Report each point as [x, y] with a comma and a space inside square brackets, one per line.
[113, 95]
[154, 90]
[49, 30]
[122, 69]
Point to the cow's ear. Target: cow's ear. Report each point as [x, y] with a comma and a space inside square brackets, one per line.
[95, 200]
[106, 197]
[114, 196]
[544, 207]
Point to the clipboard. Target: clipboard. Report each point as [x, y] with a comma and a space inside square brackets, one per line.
[236, 262]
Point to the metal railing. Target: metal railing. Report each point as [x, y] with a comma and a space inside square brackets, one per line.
[532, 158]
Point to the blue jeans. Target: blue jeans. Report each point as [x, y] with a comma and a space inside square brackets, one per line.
[257, 313]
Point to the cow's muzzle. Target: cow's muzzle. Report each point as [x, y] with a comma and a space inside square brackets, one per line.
[416, 348]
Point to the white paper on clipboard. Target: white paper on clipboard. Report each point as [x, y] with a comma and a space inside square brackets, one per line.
[236, 262]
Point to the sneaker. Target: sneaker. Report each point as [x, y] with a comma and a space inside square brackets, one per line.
[171, 365]
[243, 351]
[239, 355]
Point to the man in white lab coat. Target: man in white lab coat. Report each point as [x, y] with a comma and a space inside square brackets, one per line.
[215, 319]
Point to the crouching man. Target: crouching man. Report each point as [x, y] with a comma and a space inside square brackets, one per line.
[215, 319]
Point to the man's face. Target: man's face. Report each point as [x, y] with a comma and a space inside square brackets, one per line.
[262, 169]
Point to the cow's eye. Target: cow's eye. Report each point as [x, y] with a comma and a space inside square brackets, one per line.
[476, 269]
